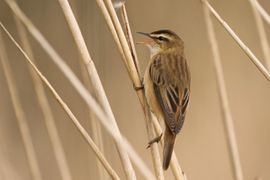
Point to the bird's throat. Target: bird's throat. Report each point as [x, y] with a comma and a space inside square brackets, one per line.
[154, 50]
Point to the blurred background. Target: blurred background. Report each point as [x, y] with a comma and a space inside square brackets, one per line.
[201, 146]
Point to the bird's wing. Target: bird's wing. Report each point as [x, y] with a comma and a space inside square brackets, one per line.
[171, 80]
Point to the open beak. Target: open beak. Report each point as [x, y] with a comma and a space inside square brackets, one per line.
[143, 33]
[148, 41]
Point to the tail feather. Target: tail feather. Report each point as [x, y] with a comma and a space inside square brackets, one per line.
[169, 140]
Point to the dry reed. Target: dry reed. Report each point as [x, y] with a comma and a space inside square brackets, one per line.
[154, 150]
[96, 83]
[224, 103]
[148, 118]
[20, 115]
[131, 62]
[95, 130]
[45, 107]
[80, 88]
[66, 109]
[129, 36]
[262, 11]
[248, 52]
[262, 34]
[7, 171]
[95, 126]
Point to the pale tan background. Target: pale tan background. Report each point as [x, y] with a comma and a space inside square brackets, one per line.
[201, 145]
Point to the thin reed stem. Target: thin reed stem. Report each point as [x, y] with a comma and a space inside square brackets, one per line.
[225, 107]
[129, 37]
[127, 48]
[262, 34]
[67, 110]
[94, 124]
[124, 44]
[7, 170]
[20, 115]
[155, 153]
[95, 80]
[154, 147]
[248, 52]
[80, 89]
[96, 130]
[45, 108]
[174, 165]
[149, 123]
[98, 138]
[262, 11]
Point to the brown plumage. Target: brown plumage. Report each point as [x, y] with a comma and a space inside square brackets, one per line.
[167, 85]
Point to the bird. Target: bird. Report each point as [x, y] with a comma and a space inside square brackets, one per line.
[166, 83]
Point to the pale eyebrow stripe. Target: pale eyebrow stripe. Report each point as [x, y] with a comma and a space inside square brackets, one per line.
[163, 35]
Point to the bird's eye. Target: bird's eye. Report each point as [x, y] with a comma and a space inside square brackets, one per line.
[160, 38]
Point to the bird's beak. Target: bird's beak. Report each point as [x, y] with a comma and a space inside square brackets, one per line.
[145, 34]
[148, 41]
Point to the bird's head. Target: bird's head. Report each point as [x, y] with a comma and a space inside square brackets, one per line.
[162, 41]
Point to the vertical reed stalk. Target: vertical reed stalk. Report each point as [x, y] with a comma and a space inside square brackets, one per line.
[68, 111]
[45, 108]
[129, 37]
[224, 103]
[98, 88]
[20, 115]
[262, 34]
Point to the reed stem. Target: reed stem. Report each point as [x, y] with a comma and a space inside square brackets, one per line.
[80, 89]
[248, 52]
[67, 110]
[20, 115]
[95, 81]
[45, 107]
[224, 103]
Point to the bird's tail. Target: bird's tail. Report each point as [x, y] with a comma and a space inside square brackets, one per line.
[169, 140]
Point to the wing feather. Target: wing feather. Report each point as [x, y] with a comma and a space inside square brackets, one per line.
[171, 79]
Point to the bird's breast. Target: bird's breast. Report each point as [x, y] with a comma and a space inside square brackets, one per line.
[150, 94]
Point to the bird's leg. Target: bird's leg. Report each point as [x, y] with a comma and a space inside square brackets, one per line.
[140, 87]
[156, 139]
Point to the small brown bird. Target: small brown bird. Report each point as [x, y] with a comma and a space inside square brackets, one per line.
[167, 85]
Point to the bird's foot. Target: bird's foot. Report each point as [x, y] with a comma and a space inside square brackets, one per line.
[155, 140]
